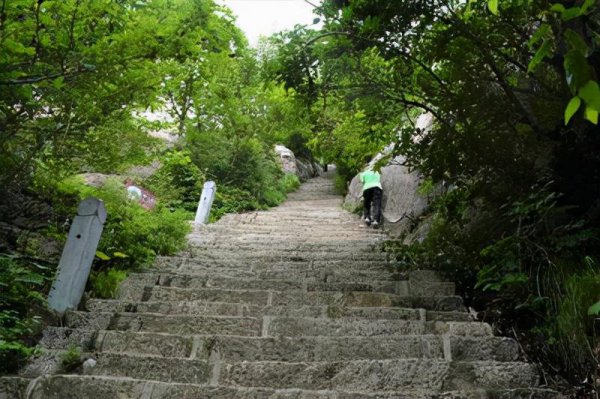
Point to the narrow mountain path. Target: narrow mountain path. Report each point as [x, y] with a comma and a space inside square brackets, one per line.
[294, 302]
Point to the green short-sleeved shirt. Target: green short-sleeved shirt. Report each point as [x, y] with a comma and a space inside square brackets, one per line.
[370, 179]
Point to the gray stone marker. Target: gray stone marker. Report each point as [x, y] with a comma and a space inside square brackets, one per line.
[78, 254]
[206, 199]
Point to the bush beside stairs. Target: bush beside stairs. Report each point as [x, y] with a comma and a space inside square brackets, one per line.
[294, 302]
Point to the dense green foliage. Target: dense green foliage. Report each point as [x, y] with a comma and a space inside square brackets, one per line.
[21, 281]
[512, 162]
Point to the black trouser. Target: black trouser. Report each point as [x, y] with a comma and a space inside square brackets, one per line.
[372, 197]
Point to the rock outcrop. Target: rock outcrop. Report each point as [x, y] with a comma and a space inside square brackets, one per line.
[303, 168]
[295, 302]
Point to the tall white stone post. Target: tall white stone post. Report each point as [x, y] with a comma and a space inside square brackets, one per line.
[206, 199]
[78, 254]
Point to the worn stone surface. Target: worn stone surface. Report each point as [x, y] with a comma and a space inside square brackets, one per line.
[303, 168]
[84, 387]
[287, 159]
[297, 302]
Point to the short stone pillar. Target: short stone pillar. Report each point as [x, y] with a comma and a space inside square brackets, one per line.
[78, 254]
[206, 199]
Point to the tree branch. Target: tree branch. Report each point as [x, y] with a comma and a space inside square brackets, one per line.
[2, 14]
[400, 52]
[35, 79]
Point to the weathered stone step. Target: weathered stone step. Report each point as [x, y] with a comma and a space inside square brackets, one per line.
[297, 265]
[290, 349]
[186, 288]
[312, 298]
[193, 282]
[239, 309]
[288, 240]
[202, 254]
[175, 324]
[313, 236]
[429, 375]
[345, 326]
[100, 387]
[12, 387]
[325, 274]
[352, 226]
[360, 375]
[269, 325]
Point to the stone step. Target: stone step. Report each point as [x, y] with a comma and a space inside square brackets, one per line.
[12, 387]
[175, 324]
[287, 224]
[238, 309]
[325, 274]
[194, 282]
[297, 262]
[299, 298]
[186, 288]
[292, 265]
[269, 325]
[204, 255]
[428, 375]
[100, 387]
[156, 368]
[291, 349]
[356, 241]
[346, 326]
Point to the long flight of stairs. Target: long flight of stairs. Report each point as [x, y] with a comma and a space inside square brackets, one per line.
[294, 302]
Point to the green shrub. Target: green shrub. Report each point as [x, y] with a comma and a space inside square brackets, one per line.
[105, 284]
[178, 182]
[132, 235]
[71, 358]
[13, 355]
[23, 285]
[243, 163]
[232, 200]
[573, 334]
[289, 182]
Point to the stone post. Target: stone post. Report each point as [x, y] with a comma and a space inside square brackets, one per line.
[206, 199]
[78, 254]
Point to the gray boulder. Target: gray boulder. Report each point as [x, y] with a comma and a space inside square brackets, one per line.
[287, 159]
[303, 168]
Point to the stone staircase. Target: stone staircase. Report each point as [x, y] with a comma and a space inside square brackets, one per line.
[295, 302]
